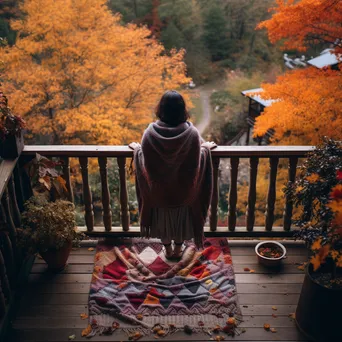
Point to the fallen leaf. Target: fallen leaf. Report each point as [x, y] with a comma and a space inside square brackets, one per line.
[243, 330]
[83, 316]
[90, 249]
[245, 306]
[216, 329]
[161, 332]
[292, 315]
[274, 316]
[251, 271]
[267, 326]
[274, 308]
[246, 269]
[136, 336]
[273, 330]
[231, 321]
[71, 337]
[115, 325]
[86, 331]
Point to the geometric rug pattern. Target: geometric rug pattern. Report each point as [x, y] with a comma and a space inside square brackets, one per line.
[135, 287]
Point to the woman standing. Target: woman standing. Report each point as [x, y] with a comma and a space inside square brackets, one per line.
[173, 177]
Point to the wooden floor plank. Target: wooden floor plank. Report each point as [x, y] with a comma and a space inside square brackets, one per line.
[247, 278]
[77, 322]
[58, 335]
[269, 288]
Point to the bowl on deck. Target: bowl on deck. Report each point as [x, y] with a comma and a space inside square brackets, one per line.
[269, 248]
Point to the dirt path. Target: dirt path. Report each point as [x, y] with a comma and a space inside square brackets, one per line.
[205, 120]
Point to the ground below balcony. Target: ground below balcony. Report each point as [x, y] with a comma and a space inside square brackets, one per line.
[51, 305]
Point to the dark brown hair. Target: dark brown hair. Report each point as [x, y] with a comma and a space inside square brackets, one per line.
[171, 108]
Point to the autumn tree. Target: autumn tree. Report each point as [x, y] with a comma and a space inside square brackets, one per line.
[309, 101]
[78, 76]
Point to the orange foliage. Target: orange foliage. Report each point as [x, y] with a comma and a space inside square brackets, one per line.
[299, 23]
[309, 102]
[78, 76]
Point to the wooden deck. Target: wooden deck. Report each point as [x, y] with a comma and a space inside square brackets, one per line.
[51, 304]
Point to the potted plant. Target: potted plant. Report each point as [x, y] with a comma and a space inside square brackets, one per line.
[318, 192]
[49, 225]
[50, 229]
[11, 126]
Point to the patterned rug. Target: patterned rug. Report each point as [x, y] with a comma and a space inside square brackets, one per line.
[135, 288]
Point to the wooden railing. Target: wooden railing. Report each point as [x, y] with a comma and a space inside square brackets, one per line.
[234, 153]
[12, 195]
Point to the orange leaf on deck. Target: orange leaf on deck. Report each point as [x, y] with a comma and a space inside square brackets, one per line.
[86, 331]
[83, 316]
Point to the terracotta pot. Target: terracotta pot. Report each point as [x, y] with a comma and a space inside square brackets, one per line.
[57, 258]
[270, 262]
[318, 314]
[12, 146]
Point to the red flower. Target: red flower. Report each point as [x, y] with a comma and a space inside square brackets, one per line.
[339, 175]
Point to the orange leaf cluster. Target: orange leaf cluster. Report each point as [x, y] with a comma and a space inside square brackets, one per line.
[307, 100]
[299, 23]
[78, 75]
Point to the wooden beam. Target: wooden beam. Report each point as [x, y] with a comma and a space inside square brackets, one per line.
[125, 151]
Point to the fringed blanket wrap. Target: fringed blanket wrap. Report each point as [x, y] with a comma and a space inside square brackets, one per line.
[173, 170]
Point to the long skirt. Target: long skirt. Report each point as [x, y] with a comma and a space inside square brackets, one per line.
[172, 224]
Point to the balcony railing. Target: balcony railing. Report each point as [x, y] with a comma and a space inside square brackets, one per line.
[234, 153]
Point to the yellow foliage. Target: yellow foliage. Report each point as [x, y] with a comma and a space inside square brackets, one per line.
[79, 76]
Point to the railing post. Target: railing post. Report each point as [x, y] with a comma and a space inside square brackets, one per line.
[3, 278]
[7, 252]
[107, 213]
[250, 210]
[14, 203]
[271, 195]
[289, 203]
[88, 203]
[234, 163]
[2, 303]
[215, 196]
[66, 176]
[18, 188]
[123, 194]
[7, 216]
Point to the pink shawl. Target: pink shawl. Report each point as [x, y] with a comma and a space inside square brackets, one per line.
[173, 170]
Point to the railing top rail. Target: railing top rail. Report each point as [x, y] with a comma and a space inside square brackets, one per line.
[125, 151]
[6, 169]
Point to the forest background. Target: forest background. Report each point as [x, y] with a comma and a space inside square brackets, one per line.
[213, 42]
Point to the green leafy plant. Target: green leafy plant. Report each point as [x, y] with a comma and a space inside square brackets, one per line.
[48, 225]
